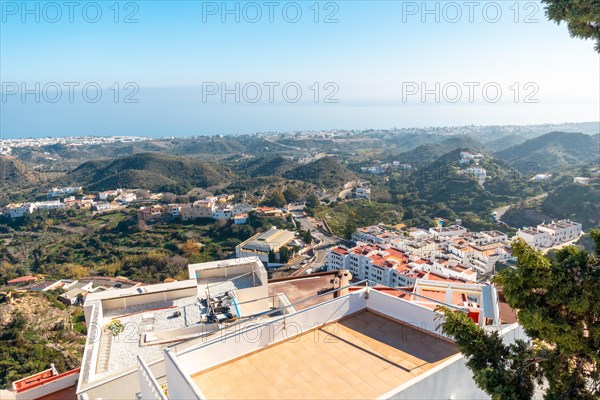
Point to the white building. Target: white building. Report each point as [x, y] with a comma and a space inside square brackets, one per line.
[551, 234]
[48, 205]
[581, 180]
[101, 206]
[241, 208]
[353, 342]
[54, 192]
[127, 198]
[240, 219]
[561, 231]
[17, 210]
[363, 193]
[448, 231]
[222, 211]
[390, 266]
[109, 194]
[535, 238]
[541, 177]
[375, 234]
[476, 172]
[374, 331]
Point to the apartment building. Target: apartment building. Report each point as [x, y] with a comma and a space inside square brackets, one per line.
[375, 234]
[561, 231]
[482, 256]
[18, 210]
[390, 266]
[152, 213]
[551, 234]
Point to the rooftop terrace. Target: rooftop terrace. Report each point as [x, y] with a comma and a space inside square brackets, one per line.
[362, 356]
[119, 353]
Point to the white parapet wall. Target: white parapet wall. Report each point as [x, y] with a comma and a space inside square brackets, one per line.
[255, 335]
[451, 379]
[149, 388]
[179, 382]
[406, 311]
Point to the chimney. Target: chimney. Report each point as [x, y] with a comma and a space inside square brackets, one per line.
[342, 279]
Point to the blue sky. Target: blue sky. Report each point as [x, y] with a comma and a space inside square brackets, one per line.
[376, 62]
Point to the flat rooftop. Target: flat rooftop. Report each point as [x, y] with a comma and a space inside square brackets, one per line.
[364, 355]
[117, 353]
[273, 239]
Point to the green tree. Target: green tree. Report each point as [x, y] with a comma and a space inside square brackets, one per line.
[312, 201]
[272, 256]
[284, 255]
[582, 17]
[501, 371]
[291, 195]
[276, 200]
[306, 236]
[349, 227]
[558, 304]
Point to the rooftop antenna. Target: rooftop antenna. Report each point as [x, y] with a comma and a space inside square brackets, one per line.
[208, 300]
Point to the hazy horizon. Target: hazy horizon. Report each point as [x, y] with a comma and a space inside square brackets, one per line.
[194, 68]
[589, 131]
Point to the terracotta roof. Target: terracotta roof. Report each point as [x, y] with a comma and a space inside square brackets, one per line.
[40, 379]
[340, 250]
[22, 279]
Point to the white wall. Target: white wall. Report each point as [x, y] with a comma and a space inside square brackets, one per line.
[405, 311]
[179, 383]
[92, 341]
[144, 298]
[149, 388]
[451, 380]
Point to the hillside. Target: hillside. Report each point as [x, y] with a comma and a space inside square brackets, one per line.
[15, 172]
[442, 189]
[152, 171]
[554, 150]
[217, 147]
[502, 180]
[577, 202]
[326, 172]
[37, 330]
[505, 142]
[272, 165]
[429, 152]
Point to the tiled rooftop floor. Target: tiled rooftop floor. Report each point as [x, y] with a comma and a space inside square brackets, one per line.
[362, 356]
